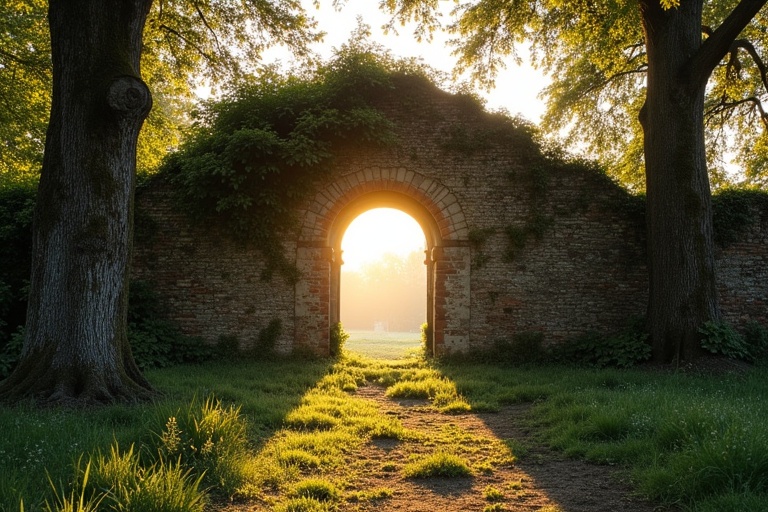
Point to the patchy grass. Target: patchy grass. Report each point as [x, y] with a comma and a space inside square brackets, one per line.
[285, 433]
[696, 440]
[438, 464]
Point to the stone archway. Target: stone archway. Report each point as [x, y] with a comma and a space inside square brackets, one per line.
[318, 253]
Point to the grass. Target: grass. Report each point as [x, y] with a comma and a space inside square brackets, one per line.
[698, 441]
[286, 433]
[438, 464]
[383, 345]
[41, 444]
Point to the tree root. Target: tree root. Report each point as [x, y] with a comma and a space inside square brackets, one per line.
[35, 380]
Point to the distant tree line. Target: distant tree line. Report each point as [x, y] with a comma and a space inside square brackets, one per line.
[390, 292]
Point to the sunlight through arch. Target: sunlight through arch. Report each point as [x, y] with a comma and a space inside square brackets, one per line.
[383, 282]
[379, 231]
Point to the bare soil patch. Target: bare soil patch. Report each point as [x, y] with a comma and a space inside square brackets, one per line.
[540, 479]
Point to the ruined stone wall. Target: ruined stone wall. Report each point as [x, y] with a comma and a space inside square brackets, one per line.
[210, 285]
[520, 242]
[579, 263]
[742, 273]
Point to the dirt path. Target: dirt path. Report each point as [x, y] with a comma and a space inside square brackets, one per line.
[539, 480]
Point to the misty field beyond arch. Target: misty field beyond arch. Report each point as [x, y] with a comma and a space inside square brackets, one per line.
[383, 286]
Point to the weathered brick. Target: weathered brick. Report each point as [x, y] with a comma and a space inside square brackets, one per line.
[581, 265]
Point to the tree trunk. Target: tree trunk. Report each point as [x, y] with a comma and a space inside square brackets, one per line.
[682, 288]
[75, 349]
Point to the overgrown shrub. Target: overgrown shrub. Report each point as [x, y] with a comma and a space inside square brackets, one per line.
[155, 341]
[756, 336]
[623, 350]
[258, 152]
[338, 338]
[427, 340]
[722, 338]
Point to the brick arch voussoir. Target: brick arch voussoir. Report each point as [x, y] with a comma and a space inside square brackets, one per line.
[329, 201]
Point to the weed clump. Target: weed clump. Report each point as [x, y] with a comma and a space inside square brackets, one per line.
[438, 464]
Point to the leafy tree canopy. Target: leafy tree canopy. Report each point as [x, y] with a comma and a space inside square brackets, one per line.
[25, 83]
[186, 45]
[594, 53]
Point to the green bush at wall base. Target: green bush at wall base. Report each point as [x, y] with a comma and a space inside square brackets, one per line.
[756, 336]
[427, 341]
[155, 341]
[338, 338]
[722, 338]
[597, 350]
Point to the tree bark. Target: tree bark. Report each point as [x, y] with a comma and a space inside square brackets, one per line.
[76, 350]
[682, 286]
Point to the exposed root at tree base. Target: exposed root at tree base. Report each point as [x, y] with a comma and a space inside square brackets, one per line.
[35, 381]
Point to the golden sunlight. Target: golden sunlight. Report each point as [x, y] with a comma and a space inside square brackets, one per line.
[383, 283]
[377, 232]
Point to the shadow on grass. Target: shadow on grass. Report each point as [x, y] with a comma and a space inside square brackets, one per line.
[39, 448]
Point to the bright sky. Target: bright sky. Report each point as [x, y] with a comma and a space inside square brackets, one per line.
[517, 88]
[380, 231]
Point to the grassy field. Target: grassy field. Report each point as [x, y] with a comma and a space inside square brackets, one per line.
[276, 433]
[384, 345]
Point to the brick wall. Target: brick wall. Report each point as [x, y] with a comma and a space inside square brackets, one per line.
[516, 242]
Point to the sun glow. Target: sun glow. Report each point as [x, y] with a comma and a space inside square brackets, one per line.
[380, 231]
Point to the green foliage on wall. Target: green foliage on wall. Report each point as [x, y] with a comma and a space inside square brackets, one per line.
[734, 210]
[723, 338]
[259, 151]
[338, 337]
[477, 238]
[155, 341]
[498, 130]
[266, 341]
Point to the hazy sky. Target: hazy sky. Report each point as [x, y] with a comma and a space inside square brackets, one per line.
[517, 87]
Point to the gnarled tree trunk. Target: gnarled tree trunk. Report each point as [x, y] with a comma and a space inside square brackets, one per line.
[76, 350]
[683, 293]
[679, 211]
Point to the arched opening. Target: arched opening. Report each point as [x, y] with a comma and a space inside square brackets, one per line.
[408, 207]
[383, 284]
[318, 254]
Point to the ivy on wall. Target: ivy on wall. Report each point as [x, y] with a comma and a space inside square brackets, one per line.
[735, 210]
[260, 151]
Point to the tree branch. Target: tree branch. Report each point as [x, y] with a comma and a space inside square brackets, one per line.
[750, 48]
[640, 69]
[196, 47]
[718, 44]
[208, 26]
[730, 105]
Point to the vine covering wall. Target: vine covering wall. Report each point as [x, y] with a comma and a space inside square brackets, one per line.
[522, 240]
